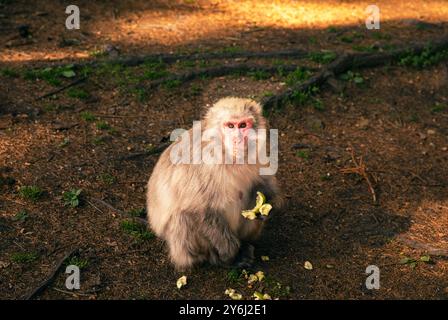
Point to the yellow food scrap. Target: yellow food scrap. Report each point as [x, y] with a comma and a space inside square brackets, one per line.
[260, 275]
[261, 207]
[249, 214]
[264, 258]
[233, 294]
[261, 199]
[252, 279]
[260, 296]
[182, 281]
[308, 265]
[265, 209]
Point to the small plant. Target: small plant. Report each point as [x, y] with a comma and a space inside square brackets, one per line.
[233, 49]
[352, 77]
[297, 76]
[9, 73]
[303, 154]
[87, 116]
[302, 97]
[107, 178]
[259, 75]
[98, 141]
[72, 198]
[195, 90]
[362, 48]
[380, 35]
[64, 143]
[140, 93]
[425, 59]
[349, 38]
[97, 53]
[322, 57]
[24, 257]
[155, 70]
[318, 105]
[137, 212]
[51, 75]
[77, 261]
[276, 289]
[77, 93]
[136, 230]
[171, 84]
[32, 193]
[20, 216]
[234, 276]
[186, 64]
[102, 125]
[439, 108]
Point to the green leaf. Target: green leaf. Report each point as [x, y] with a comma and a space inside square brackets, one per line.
[358, 80]
[68, 74]
[405, 260]
[425, 258]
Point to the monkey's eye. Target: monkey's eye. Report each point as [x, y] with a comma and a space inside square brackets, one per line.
[242, 125]
[230, 125]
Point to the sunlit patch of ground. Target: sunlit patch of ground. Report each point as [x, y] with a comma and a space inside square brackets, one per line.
[153, 25]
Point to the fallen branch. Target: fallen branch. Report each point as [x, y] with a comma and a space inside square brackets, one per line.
[133, 61]
[432, 251]
[348, 61]
[218, 72]
[52, 276]
[360, 169]
[71, 84]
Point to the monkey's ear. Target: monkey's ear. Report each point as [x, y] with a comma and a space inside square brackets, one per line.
[255, 107]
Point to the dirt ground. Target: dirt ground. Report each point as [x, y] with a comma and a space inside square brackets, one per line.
[82, 137]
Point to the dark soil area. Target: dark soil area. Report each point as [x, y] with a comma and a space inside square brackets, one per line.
[98, 135]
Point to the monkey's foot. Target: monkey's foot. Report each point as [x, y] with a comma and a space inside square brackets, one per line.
[245, 257]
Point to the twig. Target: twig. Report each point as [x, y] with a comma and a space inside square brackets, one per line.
[422, 246]
[153, 151]
[71, 84]
[74, 293]
[104, 203]
[361, 169]
[53, 274]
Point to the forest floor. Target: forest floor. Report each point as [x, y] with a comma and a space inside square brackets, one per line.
[81, 138]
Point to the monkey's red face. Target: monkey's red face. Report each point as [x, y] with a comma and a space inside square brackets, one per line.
[236, 133]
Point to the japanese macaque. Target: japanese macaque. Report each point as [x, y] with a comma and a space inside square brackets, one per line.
[196, 206]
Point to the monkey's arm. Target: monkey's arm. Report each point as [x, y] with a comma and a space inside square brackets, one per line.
[216, 229]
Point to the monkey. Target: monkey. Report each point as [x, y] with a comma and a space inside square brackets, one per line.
[196, 207]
